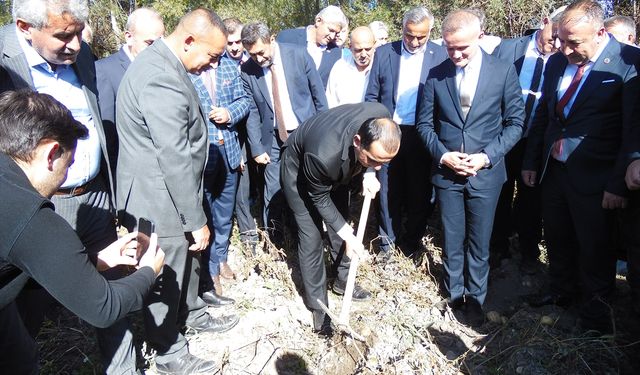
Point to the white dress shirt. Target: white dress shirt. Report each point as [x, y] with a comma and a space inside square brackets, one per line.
[346, 83]
[313, 48]
[526, 74]
[571, 70]
[408, 85]
[471, 73]
[289, 117]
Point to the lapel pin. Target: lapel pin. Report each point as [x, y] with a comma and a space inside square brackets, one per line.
[607, 60]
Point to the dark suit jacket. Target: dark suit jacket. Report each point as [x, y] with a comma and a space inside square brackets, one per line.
[493, 125]
[109, 73]
[319, 156]
[513, 50]
[305, 92]
[14, 62]
[383, 79]
[298, 37]
[600, 116]
[163, 144]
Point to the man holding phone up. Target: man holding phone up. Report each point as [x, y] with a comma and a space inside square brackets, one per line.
[38, 138]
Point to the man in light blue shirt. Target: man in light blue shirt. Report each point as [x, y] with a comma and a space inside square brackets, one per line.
[43, 51]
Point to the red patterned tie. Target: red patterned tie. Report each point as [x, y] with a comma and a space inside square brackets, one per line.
[556, 150]
[573, 87]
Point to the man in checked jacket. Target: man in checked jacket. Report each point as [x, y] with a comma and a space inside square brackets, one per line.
[223, 98]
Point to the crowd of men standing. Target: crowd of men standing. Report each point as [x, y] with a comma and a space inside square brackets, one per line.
[525, 136]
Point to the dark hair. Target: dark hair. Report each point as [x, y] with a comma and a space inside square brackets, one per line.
[380, 129]
[27, 118]
[253, 32]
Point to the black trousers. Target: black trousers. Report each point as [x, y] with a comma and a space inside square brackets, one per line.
[630, 240]
[244, 218]
[405, 190]
[18, 350]
[521, 214]
[578, 235]
[310, 243]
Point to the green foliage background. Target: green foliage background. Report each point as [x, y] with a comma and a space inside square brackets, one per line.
[505, 18]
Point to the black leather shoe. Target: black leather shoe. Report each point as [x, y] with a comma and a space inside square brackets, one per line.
[188, 364]
[359, 294]
[473, 312]
[216, 325]
[548, 298]
[214, 300]
[322, 323]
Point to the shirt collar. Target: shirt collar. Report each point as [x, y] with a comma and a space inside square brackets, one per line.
[172, 52]
[603, 45]
[533, 44]
[127, 52]
[419, 50]
[475, 62]
[352, 64]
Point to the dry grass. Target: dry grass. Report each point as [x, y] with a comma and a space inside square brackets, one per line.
[407, 330]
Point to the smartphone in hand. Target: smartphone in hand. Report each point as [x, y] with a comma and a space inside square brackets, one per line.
[145, 228]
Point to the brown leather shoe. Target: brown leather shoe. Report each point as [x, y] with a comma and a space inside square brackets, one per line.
[226, 271]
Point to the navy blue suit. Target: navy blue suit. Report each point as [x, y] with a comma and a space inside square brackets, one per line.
[493, 125]
[522, 214]
[109, 73]
[405, 185]
[298, 37]
[577, 228]
[307, 97]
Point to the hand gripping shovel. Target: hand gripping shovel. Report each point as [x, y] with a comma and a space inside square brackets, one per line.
[342, 322]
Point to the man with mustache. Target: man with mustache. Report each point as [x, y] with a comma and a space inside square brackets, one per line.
[43, 51]
[286, 90]
[575, 154]
[349, 77]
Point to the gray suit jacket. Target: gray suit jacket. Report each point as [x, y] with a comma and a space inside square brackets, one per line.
[163, 144]
[12, 59]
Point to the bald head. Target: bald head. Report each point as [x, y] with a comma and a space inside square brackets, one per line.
[200, 22]
[362, 46]
[144, 26]
[199, 40]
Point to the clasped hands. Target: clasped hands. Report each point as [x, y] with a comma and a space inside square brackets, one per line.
[462, 164]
